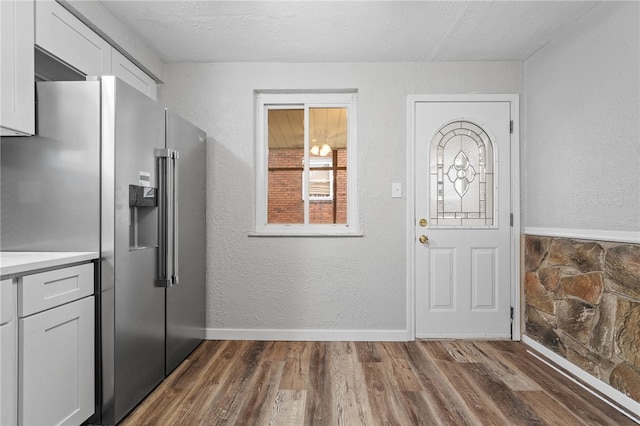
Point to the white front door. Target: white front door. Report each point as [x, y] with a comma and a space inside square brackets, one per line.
[462, 219]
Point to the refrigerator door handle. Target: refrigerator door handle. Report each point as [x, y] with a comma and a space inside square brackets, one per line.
[165, 217]
[174, 210]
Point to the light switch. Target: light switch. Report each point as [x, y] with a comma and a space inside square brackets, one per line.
[396, 190]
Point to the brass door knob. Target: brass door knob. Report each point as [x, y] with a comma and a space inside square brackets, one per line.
[423, 222]
[423, 239]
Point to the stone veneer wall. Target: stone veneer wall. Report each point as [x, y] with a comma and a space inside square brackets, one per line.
[583, 302]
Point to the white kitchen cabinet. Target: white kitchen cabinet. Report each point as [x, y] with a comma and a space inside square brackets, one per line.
[128, 72]
[8, 353]
[56, 376]
[47, 332]
[17, 116]
[65, 37]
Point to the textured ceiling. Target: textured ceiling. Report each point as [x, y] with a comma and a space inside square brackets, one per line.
[346, 31]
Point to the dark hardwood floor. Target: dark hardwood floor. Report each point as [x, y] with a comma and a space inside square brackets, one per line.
[361, 383]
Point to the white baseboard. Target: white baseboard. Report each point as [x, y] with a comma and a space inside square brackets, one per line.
[586, 234]
[463, 336]
[308, 335]
[605, 389]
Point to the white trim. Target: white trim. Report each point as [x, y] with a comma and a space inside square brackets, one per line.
[410, 219]
[586, 234]
[516, 332]
[463, 336]
[470, 97]
[514, 101]
[320, 233]
[308, 335]
[617, 396]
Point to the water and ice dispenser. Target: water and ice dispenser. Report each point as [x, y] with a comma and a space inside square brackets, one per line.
[143, 225]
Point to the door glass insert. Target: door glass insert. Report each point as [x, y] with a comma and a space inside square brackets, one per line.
[461, 176]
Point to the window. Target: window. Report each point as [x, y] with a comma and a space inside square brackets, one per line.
[320, 180]
[306, 164]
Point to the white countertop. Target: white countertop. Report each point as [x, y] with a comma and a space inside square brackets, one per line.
[19, 262]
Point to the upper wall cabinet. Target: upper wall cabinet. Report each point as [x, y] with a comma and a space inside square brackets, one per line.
[64, 36]
[18, 113]
[126, 71]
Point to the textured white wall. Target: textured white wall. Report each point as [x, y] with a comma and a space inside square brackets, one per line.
[355, 283]
[582, 112]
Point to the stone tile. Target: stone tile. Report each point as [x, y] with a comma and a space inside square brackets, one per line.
[577, 318]
[604, 331]
[579, 255]
[587, 287]
[535, 249]
[622, 268]
[627, 329]
[627, 380]
[550, 278]
[584, 363]
[583, 302]
[541, 327]
[536, 295]
[587, 359]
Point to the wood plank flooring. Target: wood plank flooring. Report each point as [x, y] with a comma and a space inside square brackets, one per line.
[369, 383]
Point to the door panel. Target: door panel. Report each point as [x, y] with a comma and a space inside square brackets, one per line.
[483, 273]
[462, 183]
[443, 277]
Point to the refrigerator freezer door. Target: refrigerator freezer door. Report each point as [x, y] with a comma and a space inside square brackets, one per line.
[185, 301]
[132, 301]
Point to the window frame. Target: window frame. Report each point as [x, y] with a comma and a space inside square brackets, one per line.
[264, 101]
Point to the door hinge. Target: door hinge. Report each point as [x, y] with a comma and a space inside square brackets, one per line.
[511, 219]
[511, 126]
[511, 316]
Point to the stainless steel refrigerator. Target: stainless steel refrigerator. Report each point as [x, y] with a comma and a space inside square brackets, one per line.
[113, 171]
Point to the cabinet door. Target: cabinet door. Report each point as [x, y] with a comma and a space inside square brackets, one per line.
[128, 72]
[8, 354]
[56, 373]
[64, 36]
[17, 86]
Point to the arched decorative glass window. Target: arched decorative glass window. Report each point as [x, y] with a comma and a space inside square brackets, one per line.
[462, 176]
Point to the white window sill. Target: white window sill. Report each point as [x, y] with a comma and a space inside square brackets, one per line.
[306, 233]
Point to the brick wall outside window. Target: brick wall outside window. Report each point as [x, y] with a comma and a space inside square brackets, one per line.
[285, 203]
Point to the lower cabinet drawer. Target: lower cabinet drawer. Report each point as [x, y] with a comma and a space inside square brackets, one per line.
[46, 290]
[56, 370]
